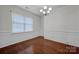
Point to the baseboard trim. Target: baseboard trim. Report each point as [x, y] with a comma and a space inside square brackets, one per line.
[59, 47]
[70, 48]
[15, 48]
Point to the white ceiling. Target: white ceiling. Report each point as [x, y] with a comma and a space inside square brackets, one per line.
[36, 8]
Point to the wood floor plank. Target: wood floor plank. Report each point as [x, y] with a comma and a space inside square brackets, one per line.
[39, 45]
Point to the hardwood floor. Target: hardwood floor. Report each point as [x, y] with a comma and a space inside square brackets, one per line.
[59, 48]
[39, 45]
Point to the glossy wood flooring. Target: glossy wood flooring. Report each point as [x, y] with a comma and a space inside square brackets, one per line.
[39, 45]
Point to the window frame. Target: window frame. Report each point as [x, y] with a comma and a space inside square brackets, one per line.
[24, 31]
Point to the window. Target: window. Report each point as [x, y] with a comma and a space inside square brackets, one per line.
[28, 24]
[21, 23]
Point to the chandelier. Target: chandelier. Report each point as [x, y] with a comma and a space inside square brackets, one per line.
[45, 10]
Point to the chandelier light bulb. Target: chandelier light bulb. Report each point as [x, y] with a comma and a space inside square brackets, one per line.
[41, 10]
[45, 7]
[50, 8]
[44, 12]
[48, 11]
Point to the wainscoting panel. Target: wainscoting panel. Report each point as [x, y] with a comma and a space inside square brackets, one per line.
[71, 38]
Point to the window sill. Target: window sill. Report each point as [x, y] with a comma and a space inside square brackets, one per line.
[22, 32]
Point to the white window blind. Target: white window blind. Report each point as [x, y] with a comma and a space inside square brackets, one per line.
[21, 23]
[28, 24]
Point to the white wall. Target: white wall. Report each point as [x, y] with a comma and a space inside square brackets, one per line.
[62, 25]
[6, 35]
[42, 26]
